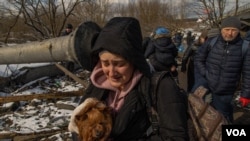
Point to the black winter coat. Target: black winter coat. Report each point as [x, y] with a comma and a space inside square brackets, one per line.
[189, 39]
[132, 122]
[162, 53]
[221, 66]
[188, 60]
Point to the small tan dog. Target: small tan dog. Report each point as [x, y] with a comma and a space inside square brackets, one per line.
[91, 120]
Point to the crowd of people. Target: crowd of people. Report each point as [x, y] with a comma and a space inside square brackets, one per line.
[123, 64]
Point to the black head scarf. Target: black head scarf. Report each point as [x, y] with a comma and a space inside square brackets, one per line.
[122, 36]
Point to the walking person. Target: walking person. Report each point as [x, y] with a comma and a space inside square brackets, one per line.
[187, 63]
[162, 52]
[219, 68]
[178, 39]
[189, 39]
[68, 30]
[121, 78]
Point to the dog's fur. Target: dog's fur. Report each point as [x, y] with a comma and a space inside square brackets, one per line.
[93, 120]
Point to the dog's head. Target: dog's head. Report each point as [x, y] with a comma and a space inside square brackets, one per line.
[93, 120]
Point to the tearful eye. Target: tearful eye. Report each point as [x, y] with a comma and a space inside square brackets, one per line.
[105, 64]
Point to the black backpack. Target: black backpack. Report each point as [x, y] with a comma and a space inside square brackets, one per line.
[153, 115]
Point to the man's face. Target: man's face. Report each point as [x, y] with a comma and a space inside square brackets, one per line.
[229, 33]
[68, 30]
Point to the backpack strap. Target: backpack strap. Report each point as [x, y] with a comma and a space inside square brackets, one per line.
[155, 79]
[151, 100]
[146, 96]
[212, 42]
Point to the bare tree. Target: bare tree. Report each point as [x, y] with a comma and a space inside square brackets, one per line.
[148, 12]
[212, 11]
[151, 13]
[12, 26]
[94, 10]
[11, 21]
[236, 6]
[45, 17]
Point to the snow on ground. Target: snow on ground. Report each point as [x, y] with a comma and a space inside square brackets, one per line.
[8, 70]
[38, 115]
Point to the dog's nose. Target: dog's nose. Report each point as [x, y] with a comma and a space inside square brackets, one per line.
[99, 134]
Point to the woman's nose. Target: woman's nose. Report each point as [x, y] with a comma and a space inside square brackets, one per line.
[112, 70]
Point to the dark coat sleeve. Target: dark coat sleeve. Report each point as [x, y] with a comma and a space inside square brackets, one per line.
[150, 49]
[145, 43]
[200, 65]
[185, 57]
[246, 75]
[187, 54]
[175, 51]
[172, 110]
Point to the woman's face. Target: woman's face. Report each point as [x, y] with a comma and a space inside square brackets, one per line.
[117, 70]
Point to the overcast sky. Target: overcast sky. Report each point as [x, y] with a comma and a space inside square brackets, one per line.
[179, 1]
[241, 2]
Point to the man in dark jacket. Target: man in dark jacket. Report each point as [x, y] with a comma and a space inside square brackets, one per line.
[189, 39]
[178, 39]
[188, 60]
[68, 30]
[220, 66]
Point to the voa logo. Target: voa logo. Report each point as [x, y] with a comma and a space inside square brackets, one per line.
[236, 132]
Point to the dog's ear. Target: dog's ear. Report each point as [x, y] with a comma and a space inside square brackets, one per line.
[89, 103]
[81, 117]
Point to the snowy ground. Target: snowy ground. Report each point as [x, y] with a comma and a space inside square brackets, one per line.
[38, 115]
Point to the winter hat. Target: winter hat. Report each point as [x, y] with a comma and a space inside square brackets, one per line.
[231, 22]
[69, 26]
[122, 36]
[162, 32]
